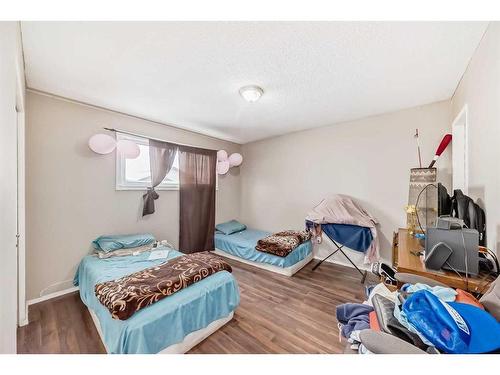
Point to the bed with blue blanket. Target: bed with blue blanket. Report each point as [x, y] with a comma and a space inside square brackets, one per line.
[172, 325]
[240, 246]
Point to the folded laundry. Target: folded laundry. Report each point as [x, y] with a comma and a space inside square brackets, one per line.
[434, 319]
[353, 316]
[443, 293]
[341, 209]
[382, 290]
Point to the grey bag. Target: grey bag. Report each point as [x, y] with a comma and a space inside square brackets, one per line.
[384, 308]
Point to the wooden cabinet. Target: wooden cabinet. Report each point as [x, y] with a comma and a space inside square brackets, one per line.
[405, 259]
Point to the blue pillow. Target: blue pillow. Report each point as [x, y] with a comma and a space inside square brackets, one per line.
[230, 227]
[125, 241]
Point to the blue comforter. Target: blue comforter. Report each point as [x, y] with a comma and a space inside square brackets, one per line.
[242, 244]
[164, 323]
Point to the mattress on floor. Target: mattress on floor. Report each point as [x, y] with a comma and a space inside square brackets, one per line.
[242, 244]
[165, 322]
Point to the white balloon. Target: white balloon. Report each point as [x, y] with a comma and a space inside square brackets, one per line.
[221, 155]
[222, 167]
[102, 144]
[128, 149]
[235, 159]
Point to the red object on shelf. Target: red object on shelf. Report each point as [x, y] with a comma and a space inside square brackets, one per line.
[442, 146]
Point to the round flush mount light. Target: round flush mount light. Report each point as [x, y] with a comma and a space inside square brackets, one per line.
[251, 93]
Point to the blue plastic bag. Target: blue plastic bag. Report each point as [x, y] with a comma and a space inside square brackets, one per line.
[438, 322]
[452, 327]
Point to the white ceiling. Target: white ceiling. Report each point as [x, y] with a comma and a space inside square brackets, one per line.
[188, 73]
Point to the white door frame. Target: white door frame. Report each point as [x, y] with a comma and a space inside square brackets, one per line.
[21, 221]
[22, 308]
[463, 117]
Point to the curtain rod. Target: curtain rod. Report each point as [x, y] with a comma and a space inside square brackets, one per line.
[153, 139]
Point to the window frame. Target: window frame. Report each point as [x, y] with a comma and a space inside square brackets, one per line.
[121, 183]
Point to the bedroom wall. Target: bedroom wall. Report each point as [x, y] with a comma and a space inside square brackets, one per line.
[368, 159]
[70, 192]
[480, 91]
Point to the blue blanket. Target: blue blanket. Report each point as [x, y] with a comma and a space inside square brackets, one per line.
[164, 323]
[242, 245]
[352, 236]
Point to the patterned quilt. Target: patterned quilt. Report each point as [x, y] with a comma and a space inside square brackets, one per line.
[124, 296]
[283, 243]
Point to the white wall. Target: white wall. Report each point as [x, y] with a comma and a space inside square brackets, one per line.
[71, 196]
[480, 91]
[9, 34]
[369, 159]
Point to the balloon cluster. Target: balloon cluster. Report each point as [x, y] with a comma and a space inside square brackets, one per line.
[105, 144]
[224, 162]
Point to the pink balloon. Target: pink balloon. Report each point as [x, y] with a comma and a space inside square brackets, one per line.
[102, 143]
[235, 159]
[128, 149]
[222, 167]
[221, 155]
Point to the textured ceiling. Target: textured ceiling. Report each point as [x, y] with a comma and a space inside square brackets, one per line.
[188, 73]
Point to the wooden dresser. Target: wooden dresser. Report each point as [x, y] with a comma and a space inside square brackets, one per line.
[404, 259]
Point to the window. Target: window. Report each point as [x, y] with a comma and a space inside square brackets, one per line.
[134, 174]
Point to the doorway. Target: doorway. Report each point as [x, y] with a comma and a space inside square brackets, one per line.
[460, 150]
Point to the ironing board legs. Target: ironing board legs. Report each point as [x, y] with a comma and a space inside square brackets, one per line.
[339, 248]
[321, 261]
[363, 273]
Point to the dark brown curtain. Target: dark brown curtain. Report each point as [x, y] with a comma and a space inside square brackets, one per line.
[197, 199]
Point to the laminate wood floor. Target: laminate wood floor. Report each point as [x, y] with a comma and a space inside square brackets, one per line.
[277, 314]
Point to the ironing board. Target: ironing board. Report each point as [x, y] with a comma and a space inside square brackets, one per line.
[352, 236]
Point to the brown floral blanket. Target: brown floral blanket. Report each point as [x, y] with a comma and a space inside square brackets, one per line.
[124, 296]
[282, 243]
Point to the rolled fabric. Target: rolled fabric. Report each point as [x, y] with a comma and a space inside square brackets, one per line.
[148, 199]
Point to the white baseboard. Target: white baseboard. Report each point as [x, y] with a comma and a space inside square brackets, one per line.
[52, 295]
[25, 321]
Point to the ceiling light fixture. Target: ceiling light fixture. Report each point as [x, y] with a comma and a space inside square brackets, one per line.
[251, 93]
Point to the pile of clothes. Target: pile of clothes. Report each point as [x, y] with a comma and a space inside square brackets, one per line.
[435, 319]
